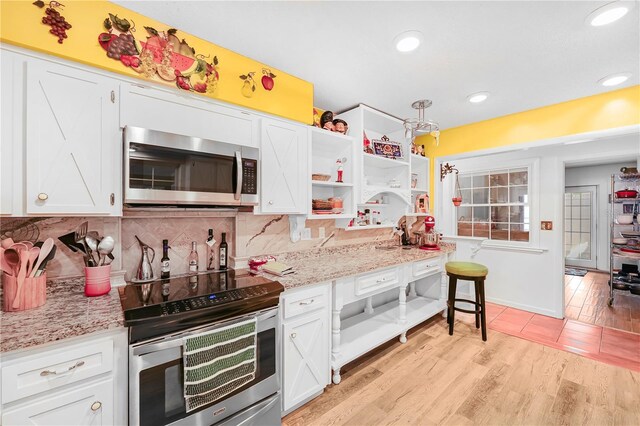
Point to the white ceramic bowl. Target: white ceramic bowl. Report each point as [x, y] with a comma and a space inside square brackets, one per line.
[625, 219]
[619, 241]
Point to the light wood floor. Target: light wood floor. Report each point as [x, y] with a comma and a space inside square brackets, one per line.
[586, 299]
[459, 380]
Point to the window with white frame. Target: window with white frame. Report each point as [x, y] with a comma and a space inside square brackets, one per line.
[495, 205]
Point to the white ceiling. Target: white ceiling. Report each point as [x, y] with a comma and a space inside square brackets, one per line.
[526, 54]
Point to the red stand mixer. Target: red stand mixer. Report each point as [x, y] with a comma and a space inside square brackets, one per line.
[430, 239]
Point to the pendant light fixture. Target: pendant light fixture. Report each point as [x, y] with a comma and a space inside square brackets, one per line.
[420, 126]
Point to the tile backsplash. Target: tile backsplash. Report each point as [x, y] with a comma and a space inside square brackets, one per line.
[180, 232]
[247, 235]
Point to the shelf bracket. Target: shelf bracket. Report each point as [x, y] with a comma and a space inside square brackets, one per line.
[447, 168]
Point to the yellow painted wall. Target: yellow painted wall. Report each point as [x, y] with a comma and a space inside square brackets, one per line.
[609, 110]
[21, 25]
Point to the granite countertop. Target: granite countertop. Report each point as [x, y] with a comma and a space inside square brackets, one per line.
[315, 266]
[67, 313]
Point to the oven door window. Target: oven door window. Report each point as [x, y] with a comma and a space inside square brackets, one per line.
[160, 168]
[161, 392]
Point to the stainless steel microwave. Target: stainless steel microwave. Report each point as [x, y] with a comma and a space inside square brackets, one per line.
[167, 169]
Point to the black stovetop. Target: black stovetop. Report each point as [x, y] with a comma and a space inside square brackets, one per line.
[172, 305]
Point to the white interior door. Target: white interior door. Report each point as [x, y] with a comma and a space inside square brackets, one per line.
[580, 222]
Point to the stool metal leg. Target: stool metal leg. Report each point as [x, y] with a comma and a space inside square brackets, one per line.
[453, 282]
[483, 316]
[477, 291]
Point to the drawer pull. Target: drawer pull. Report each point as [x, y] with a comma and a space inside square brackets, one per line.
[293, 335]
[307, 303]
[96, 406]
[382, 280]
[42, 196]
[73, 367]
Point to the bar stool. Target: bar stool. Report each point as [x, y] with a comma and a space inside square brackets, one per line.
[467, 271]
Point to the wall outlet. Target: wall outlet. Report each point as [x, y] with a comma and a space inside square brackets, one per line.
[546, 225]
[306, 234]
[321, 233]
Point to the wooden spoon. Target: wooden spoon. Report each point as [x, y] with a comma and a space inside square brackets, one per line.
[4, 265]
[6, 243]
[12, 260]
[25, 258]
[44, 252]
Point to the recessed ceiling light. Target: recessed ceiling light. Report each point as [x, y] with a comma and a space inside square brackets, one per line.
[614, 79]
[608, 13]
[476, 98]
[408, 41]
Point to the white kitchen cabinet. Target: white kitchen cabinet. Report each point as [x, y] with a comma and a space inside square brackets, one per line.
[86, 405]
[305, 344]
[11, 148]
[306, 358]
[182, 113]
[283, 167]
[78, 381]
[73, 142]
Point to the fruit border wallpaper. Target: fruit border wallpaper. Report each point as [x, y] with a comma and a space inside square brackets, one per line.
[102, 34]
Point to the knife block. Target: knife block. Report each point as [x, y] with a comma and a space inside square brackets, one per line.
[34, 292]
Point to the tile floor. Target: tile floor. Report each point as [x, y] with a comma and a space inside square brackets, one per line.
[586, 299]
[616, 347]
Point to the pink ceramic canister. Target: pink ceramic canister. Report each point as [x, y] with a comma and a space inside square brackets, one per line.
[97, 280]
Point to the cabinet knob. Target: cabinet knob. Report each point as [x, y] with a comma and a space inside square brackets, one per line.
[270, 202]
[42, 196]
[96, 406]
[293, 335]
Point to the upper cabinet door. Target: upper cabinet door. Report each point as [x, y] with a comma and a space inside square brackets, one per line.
[283, 167]
[72, 140]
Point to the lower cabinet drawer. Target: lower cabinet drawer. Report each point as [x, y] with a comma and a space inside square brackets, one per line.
[376, 281]
[83, 405]
[306, 300]
[425, 267]
[53, 369]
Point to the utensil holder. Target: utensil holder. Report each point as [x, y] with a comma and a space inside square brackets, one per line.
[97, 280]
[34, 292]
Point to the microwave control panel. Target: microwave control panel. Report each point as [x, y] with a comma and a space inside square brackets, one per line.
[249, 176]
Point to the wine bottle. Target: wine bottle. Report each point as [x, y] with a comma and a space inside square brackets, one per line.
[165, 267]
[223, 252]
[193, 258]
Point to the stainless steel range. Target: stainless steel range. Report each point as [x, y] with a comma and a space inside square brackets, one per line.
[161, 314]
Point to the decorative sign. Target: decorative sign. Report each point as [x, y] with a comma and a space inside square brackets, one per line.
[386, 148]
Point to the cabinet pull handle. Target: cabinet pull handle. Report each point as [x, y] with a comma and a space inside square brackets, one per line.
[270, 202]
[113, 97]
[112, 198]
[42, 196]
[293, 335]
[382, 280]
[73, 367]
[96, 406]
[307, 303]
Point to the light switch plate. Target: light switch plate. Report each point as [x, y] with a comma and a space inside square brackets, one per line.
[306, 234]
[321, 233]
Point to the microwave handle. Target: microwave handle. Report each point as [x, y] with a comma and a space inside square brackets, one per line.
[238, 175]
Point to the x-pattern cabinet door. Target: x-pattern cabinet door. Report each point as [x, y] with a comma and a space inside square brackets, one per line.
[283, 167]
[306, 358]
[71, 138]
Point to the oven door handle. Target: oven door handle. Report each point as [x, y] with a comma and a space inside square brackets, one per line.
[174, 341]
[238, 175]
